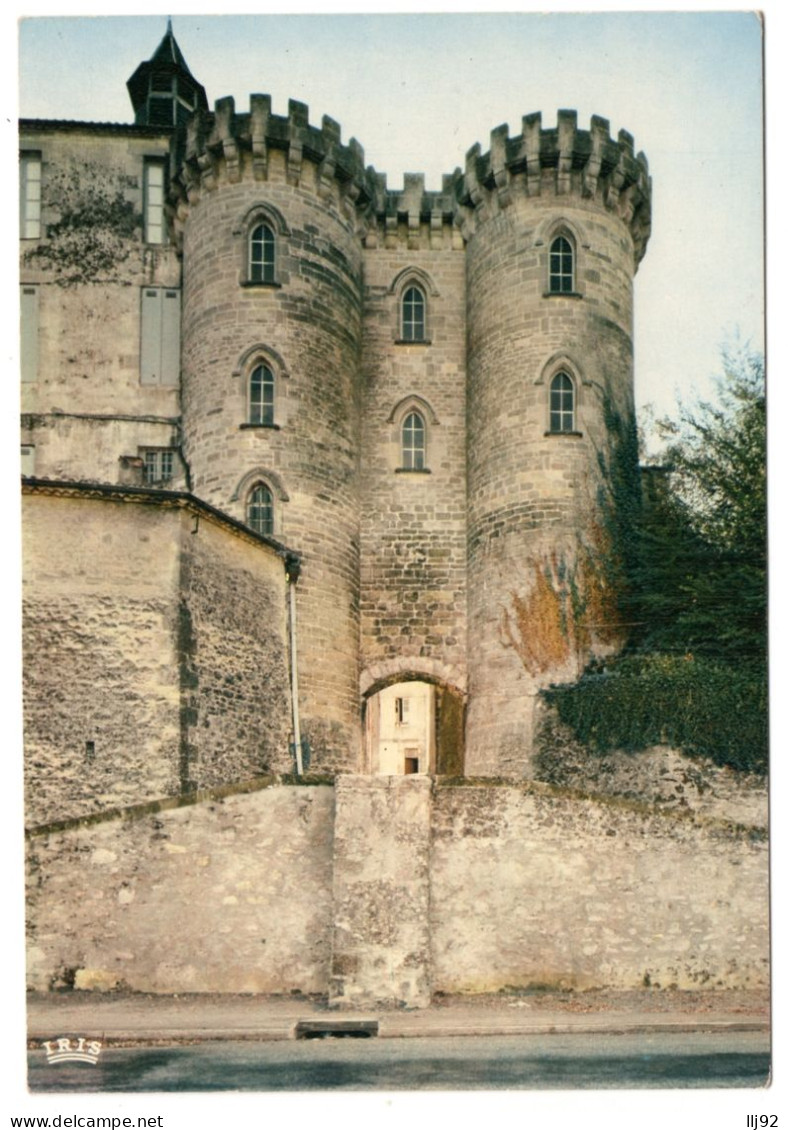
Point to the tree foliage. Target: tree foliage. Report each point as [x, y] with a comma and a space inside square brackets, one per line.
[700, 574]
[692, 547]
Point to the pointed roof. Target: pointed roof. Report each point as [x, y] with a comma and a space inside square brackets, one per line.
[168, 51]
[165, 62]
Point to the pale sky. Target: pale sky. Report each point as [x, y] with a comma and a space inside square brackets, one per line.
[417, 91]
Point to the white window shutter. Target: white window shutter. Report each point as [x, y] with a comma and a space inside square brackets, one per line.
[160, 344]
[171, 337]
[28, 459]
[29, 333]
[150, 345]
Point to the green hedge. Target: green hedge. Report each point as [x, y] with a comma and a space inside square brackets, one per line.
[700, 706]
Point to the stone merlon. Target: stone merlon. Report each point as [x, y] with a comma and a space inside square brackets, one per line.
[589, 162]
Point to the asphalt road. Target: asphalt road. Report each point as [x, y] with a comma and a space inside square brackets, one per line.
[656, 1060]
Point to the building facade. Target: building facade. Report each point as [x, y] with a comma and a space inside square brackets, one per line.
[311, 465]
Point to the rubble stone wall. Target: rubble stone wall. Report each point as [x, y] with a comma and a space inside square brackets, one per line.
[381, 941]
[155, 652]
[99, 655]
[384, 891]
[231, 895]
[531, 887]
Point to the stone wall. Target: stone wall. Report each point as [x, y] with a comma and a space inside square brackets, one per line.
[381, 940]
[99, 654]
[155, 651]
[89, 269]
[413, 530]
[230, 895]
[233, 658]
[103, 449]
[532, 887]
[659, 776]
[532, 493]
[387, 890]
[306, 327]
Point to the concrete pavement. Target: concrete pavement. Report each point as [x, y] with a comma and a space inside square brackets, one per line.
[143, 1019]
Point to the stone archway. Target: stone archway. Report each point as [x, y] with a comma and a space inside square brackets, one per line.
[414, 725]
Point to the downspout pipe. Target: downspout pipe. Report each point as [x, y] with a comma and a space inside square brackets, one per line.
[293, 571]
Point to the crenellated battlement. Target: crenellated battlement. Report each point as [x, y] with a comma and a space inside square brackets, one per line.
[224, 143]
[413, 213]
[565, 160]
[224, 138]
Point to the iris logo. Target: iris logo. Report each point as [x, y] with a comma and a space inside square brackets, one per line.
[65, 1050]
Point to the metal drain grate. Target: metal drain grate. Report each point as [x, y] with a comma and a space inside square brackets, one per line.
[335, 1029]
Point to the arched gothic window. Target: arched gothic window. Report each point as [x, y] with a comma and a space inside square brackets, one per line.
[414, 314]
[260, 509]
[562, 403]
[562, 266]
[261, 395]
[414, 443]
[262, 247]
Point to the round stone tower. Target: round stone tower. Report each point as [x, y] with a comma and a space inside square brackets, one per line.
[266, 212]
[556, 222]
